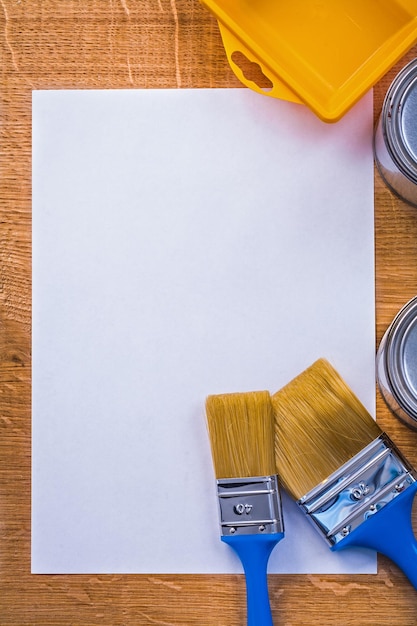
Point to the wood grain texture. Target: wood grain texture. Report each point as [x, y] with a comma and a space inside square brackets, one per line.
[125, 44]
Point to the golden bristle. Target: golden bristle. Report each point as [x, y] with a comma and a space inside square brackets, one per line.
[319, 425]
[241, 429]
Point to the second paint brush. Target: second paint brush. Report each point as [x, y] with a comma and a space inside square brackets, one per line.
[345, 473]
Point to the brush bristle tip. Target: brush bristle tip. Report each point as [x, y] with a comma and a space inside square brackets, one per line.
[241, 430]
[319, 425]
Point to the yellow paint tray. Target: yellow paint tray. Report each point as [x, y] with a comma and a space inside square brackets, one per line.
[325, 53]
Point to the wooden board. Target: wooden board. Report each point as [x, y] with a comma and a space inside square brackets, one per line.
[126, 44]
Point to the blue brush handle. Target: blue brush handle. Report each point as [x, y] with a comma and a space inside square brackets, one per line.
[389, 531]
[254, 552]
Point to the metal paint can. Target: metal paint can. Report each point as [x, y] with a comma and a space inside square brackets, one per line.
[395, 138]
[396, 364]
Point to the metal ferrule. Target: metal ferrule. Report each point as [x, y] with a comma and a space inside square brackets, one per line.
[250, 506]
[358, 489]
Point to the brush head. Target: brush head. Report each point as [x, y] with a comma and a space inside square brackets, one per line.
[319, 425]
[241, 429]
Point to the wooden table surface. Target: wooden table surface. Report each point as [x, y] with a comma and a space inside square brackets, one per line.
[143, 44]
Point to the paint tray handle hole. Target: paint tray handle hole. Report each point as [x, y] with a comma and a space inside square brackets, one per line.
[252, 71]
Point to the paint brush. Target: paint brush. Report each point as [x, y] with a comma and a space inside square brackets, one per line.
[241, 430]
[343, 471]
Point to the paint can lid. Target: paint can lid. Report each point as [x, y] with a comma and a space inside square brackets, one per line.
[399, 112]
[401, 358]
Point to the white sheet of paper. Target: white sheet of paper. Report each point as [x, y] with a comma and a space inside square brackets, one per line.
[185, 243]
